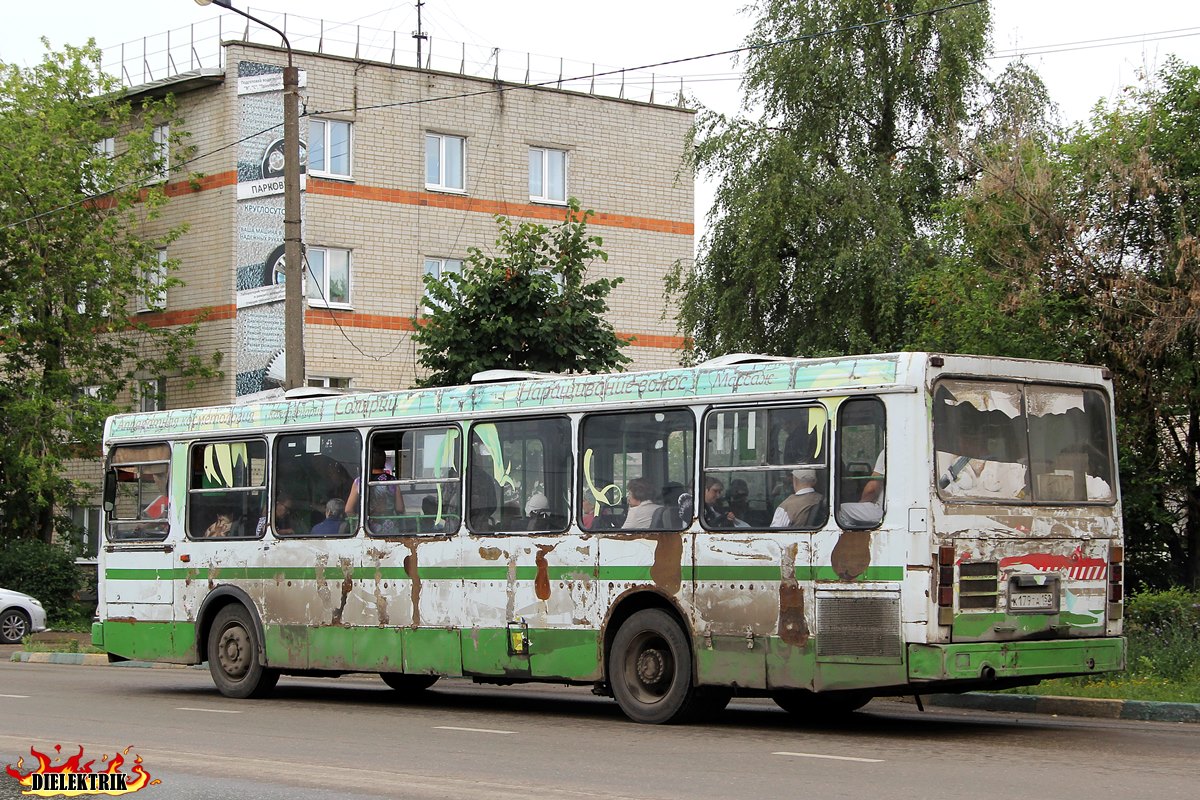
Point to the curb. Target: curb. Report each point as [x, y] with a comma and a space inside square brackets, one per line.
[91, 660]
[1144, 710]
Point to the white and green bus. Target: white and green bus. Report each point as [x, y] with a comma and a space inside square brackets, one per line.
[819, 531]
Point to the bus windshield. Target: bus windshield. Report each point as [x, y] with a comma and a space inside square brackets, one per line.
[1021, 443]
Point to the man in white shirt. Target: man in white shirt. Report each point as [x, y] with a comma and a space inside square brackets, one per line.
[798, 510]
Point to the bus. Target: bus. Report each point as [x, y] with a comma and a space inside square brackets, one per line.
[816, 531]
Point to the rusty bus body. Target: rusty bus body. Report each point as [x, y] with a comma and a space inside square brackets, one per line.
[966, 533]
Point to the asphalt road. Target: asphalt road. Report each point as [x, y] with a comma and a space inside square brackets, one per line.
[354, 738]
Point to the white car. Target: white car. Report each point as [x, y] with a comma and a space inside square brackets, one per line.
[20, 615]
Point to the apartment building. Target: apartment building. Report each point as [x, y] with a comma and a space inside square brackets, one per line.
[406, 169]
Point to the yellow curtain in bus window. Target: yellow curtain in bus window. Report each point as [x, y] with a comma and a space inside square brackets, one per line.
[221, 462]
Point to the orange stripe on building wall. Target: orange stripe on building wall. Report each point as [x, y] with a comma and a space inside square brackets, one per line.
[165, 319]
[355, 191]
[379, 322]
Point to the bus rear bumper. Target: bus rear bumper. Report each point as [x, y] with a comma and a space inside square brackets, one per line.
[988, 660]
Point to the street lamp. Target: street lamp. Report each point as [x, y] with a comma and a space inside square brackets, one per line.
[293, 293]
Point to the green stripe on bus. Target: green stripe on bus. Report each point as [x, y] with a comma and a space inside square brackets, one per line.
[715, 573]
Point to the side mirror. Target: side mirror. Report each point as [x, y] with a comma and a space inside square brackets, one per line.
[110, 491]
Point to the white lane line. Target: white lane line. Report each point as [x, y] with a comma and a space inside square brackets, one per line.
[831, 758]
[17, 696]
[209, 710]
[469, 730]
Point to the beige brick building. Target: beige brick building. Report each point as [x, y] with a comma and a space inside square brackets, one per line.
[383, 213]
[431, 158]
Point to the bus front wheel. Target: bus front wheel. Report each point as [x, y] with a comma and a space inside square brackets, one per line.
[233, 660]
[650, 668]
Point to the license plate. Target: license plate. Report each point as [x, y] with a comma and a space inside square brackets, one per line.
[1031, 601]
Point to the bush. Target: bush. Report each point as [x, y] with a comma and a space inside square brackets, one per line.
[1163, 629]
[44, 571]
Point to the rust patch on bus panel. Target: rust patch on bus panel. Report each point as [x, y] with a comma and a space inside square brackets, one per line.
[490, 553]
[322, 583]
[347, 587]
[214, 572]
[541, 582]
[667, 569]
[410, 569]
[851, 555]
[793, 628]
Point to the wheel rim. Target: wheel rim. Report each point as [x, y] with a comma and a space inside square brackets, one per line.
[13, 627]
[649, 668]
[234, 652]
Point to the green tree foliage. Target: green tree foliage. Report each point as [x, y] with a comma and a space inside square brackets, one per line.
[526, 307]
[72, 267]
[45, 571]
[1082, 246]
[827, 198]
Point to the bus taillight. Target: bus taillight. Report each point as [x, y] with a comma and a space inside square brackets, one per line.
[1116, 574]
[945, 585]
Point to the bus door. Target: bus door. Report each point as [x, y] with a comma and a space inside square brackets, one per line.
[530, 578]
[764, 490]
[138, 587]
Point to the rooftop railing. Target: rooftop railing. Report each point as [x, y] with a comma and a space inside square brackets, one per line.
[198, 46]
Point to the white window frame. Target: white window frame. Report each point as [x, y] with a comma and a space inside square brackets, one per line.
[161, 136]
[326, 124]
[321, 300]
[440, 185]
[438, 264]
[328, 382]
[152, 395]
[92, 532]
[544, 197]
[147, 302]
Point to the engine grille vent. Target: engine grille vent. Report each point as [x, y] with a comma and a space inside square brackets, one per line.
[859, 625]
[978, 586]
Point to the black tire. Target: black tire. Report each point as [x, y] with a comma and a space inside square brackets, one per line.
[14, 626]
[650, 669]
[233, 655]
[820, 706]
[408, 684]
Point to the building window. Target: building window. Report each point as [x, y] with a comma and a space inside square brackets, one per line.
[547, 175]
[328, 383]
[329, 148]
[440, 268]
[162, 138]
[445, 162]
[85, 523]
[153, 296]
[328, 276]
[152, 395]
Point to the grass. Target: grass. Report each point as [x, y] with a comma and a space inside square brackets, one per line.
[1120, 686]
[31, 645]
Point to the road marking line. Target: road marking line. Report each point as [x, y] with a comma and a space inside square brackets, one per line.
[469, 730]
[18, 696]
[831, 758]
[209, 710]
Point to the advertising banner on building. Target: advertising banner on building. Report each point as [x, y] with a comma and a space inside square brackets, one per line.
[259, 227]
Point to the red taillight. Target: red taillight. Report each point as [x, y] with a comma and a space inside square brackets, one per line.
[945, 576]
[1116, 574]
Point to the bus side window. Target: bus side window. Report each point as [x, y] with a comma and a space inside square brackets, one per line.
[141, 477]
[413, 486]
[519, 475]
[861, 463]
[227, 490]
[310, 470]
[636, 471]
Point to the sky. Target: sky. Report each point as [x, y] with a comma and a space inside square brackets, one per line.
[1085, 50]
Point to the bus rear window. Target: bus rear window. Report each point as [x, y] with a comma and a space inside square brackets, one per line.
[1015, 443]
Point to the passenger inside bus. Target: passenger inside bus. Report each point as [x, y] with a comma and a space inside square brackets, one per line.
[804, 508]
[644, 513]
[334, 523]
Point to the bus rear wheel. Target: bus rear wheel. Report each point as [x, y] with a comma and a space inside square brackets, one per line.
[650, 669]
[817, 706]
[408, 684]
[233, 648]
